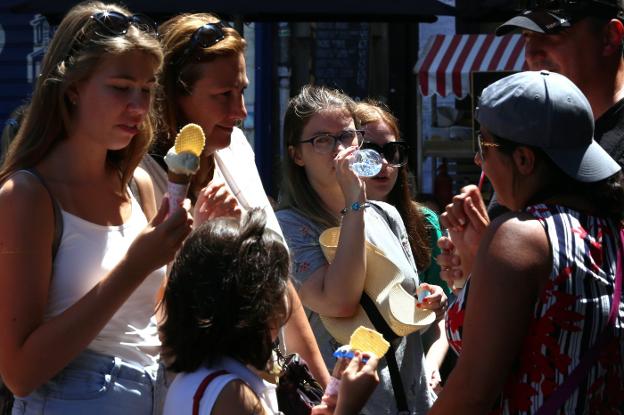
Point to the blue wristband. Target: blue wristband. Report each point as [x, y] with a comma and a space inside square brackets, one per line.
[355, 206]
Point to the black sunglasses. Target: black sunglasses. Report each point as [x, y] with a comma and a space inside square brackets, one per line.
[117, 24]
[395, 152]
[205, 36]
[114, 24]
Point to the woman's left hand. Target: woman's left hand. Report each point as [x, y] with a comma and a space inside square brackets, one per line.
[435, 300]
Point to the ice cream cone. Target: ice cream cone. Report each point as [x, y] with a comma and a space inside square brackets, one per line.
[177, 188]
[178, 178]
[183, 161]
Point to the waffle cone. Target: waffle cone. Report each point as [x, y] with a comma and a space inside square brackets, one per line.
[368, 340]
[190, 138]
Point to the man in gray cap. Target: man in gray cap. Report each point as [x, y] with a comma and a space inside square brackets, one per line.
[581, 39]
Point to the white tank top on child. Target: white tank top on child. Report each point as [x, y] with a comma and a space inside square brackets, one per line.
[181, 391]
[87, 253]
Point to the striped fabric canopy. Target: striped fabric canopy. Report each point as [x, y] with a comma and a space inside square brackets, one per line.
[447, 61]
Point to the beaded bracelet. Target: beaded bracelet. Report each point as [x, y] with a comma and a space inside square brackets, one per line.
[355, 206]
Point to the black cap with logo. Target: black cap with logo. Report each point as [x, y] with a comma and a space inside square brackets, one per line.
[550, 16]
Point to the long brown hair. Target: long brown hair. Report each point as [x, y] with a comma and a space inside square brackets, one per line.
[400, 196]
[179, 76]
[73, 54]
[297, 192]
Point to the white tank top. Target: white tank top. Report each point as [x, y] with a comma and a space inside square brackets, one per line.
[181, 391]
[86, 254]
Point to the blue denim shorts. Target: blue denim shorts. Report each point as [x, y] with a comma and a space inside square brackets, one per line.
[95, 384]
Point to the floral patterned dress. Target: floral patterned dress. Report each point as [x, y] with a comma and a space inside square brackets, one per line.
[568, 318]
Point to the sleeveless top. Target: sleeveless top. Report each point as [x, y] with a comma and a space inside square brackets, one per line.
[88, 252]
[182, 389]
[568, 317]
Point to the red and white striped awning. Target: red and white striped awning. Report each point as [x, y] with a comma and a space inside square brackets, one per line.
[447, 61]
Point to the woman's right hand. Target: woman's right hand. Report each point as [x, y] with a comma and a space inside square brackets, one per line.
[353, 188]
[158, 243]
[215, 201]
[357, 383]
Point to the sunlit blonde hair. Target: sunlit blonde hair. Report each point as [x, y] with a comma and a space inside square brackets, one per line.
[179, 76]
[74, 52]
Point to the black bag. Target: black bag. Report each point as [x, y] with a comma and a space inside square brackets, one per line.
[297, 390]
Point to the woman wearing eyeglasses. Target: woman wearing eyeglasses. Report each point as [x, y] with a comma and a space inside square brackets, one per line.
[391, 185]
[320, 191]
[203, 80]
[80, 265]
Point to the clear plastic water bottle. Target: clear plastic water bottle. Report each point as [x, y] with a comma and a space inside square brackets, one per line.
[366, 162]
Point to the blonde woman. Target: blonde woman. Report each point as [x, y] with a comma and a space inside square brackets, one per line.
[80, 263]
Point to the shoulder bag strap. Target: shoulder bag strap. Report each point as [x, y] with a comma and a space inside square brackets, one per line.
[392, 227]
[58, 217]
[136, 192]
[381, 326]
[199, 393]
[561, 395]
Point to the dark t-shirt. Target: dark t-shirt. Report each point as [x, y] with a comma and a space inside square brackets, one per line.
[609, 131]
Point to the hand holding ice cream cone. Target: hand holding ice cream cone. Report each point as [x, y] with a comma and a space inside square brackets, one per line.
[355, 374]
[183, 162]
[363, 340]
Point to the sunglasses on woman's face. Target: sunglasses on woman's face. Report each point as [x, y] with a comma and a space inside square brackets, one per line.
[395, 152]
[205, 36]
[117, 24]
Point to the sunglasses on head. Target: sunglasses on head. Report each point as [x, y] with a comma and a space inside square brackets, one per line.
[117, 24]
[111, 24]
[395, 152]
[205, 36]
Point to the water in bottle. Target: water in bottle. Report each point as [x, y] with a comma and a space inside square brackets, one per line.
[366, 163]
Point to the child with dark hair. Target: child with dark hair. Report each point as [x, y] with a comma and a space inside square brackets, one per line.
[225, 301]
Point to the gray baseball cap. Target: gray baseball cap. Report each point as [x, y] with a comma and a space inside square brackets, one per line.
[550, 16]
[546, 110]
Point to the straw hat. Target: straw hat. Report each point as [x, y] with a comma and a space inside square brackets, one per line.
[383, 286]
